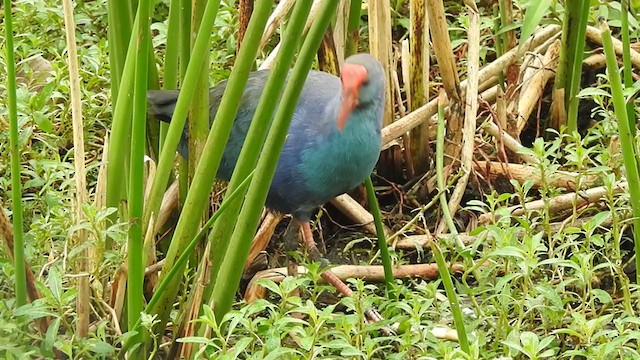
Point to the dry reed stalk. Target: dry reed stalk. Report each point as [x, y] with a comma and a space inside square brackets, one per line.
[268, 62]
[170, 202]
[413, 242]
[510, 43]
[508, 141]
[327, 56]
[99, 201]
[417, 88]
[402, 112]
[82, 265]
[188, 325]
[263, 236]
[501, 109]
[486, 74]
[557, 113]
[118, 290]
[274, 21]
[595, 62]
[245, 9]
[533, 86]
[439, 30]
[470, 111]
[340, 30]
[380, 47]
[149, 251]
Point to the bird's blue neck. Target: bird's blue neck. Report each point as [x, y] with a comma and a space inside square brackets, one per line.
[353, 152]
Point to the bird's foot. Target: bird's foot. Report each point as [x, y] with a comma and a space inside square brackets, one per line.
[372, 315]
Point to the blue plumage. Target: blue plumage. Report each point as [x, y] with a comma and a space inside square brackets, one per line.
[319, 161]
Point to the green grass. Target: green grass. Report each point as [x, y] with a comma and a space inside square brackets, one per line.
[535, 286]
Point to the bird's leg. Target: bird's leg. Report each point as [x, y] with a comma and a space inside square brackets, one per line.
[328, 275]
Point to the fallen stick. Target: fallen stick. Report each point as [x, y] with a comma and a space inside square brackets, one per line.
[509, 142]
[271, 58]
[562, 202]
[359, 215]
[594, 35]
[521, 173]
[372, 273]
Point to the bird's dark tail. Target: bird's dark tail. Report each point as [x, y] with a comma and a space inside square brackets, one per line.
[162, 103]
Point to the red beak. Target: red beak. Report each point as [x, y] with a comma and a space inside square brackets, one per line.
[353, 75]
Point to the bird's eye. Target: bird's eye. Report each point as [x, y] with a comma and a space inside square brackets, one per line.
[366, 82]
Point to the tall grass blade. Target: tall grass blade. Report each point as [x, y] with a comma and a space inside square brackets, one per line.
[184, 32]
[382, 239]
[442, 266]
[627, 141]
[119, 140]
[535, 12]
[578, 45]
[176, 269]
[171, 69]
[16, 185]
[626, 61]
[257, 133]
[458, 319]
[120, 17]
[198, 123]
[135, 256]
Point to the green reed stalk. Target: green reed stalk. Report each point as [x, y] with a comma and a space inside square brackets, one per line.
[16, 184]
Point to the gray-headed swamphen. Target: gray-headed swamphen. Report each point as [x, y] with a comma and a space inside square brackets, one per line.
[332, 145]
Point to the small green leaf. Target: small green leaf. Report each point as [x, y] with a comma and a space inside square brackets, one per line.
[535, 13]
[51, 335]
[194, 340]
[506, 251]
[43, 122]
[271, 286]
[55, 284]
[102, 348]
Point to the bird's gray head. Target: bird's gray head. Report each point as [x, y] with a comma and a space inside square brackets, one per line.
[363, 82]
